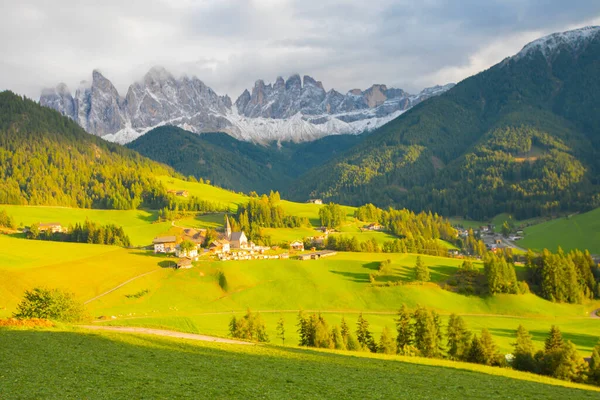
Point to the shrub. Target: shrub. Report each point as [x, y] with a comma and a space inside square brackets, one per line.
[53, 304]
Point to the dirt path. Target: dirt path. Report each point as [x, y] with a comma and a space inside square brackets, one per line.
[118, 286]
[161, 332]
[594, 314]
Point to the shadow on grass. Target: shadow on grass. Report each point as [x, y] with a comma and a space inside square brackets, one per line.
[579, 339]
[150, 217]
[441, 272]
[353, 276]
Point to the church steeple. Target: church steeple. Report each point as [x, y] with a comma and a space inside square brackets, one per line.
[227, 228]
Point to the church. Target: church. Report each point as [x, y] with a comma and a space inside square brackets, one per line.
[237, 240]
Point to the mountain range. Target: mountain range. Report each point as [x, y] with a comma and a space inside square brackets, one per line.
[288, 110]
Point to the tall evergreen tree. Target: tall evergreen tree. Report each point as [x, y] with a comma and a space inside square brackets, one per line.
[554, 341]
[404, 328]
[421, 271]
[476, 352]
[488, 346]
[364, 336]
[387, 343]
[571, 367]
[524, 351]
[459, 338]
[594, 372]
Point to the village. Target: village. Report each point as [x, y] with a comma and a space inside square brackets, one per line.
[230, 245]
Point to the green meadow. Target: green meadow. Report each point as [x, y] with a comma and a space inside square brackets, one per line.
[76, 363]
[580, 231]
[195, 301]
[139, 225]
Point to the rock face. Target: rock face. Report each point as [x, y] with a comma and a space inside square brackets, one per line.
[296, 109]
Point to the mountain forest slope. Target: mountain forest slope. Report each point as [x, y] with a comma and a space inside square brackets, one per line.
[522, 137]
[235, 164]
[47, 159]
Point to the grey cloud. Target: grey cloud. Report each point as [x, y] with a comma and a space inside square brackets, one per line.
[231, 43]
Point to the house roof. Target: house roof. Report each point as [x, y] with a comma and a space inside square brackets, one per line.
[164, 239]
[237, 236]
[296, 242]
[47, 224]
[184, 262]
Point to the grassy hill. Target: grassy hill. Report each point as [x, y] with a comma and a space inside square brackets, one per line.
[76, 363]
[194, 301]
[580, 231]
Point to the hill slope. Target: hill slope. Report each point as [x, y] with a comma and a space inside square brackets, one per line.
[48, 159]
[522, 137]
[235, 164]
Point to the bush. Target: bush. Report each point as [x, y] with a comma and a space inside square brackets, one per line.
[52, 304]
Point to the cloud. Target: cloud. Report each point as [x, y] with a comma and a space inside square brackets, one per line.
[231, 43]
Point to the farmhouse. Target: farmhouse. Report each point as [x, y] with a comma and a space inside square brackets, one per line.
[52, 227]
[193, 253]
[180, 193]
[297, 245]
[315, 201]
[165, 244]
[374, 227]
[220, 246]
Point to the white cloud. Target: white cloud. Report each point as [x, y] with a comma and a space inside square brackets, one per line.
[231, 43]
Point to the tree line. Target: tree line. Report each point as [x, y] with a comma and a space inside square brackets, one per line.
[87, 232]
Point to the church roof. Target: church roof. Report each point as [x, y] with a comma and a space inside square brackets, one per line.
[237, 236]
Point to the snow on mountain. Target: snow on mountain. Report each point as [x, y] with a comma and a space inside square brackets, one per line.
[574, 40]
[288, 110]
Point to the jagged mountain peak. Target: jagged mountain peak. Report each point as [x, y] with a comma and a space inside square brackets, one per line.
[573, 40]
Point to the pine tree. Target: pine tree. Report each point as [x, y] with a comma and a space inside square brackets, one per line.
[281, 330]
[571, 367]
[363, 335]
[554, 341]
[594, 373]
[476, 352]
[387, 344]
[459, 338]
[404, 328]
[336, 338]
[425, 331]
[421, 271]
[488, 346]
[524, 351]
[344, 331]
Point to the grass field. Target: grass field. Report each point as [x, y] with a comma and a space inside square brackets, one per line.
[138, 224]
[577, 232]
[63, 363]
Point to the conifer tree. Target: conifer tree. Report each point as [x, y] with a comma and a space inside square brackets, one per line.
[336, 338]
[459, 338]
[425, 331]
[571, 366]
[594, 372]
[554, 341]
[476, 352]
[387, 343]
[363, 335]
[281, 330]
[421, 271]
[404, 328]
[488, 346]
[524, 351]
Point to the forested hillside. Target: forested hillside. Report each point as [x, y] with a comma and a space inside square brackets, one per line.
[522, 137]
[47, 159]
[234, 164]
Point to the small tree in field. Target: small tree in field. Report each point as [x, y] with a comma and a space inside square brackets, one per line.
[421, 271]
[51, 304]
[186, 246]
[281, 330]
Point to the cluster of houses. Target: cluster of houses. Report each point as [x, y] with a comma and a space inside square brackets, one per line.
[317, 255]
[179, 193]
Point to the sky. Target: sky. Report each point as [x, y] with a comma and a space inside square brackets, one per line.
[229, 44]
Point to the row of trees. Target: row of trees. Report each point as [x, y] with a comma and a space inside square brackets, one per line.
[87, 232]
[564, 277]
[264, 212]
[332, 215]
[405, 245]
[249, 327]
[177, 209]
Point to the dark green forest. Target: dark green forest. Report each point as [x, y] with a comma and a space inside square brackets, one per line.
[47, 159]
[522, 137]
[237, 165]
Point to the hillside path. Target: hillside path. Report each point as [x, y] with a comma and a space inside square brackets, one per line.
[161, 332]
[120, 285]
[594, 314]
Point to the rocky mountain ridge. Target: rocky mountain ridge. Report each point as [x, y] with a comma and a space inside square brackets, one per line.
[289, 110]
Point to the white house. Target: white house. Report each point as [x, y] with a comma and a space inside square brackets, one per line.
[192, 254]
[165, 244]
[297, 245]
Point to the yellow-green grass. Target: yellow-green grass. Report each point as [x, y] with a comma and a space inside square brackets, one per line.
[207, 221]
[580, 231]
[86, 270]
[205, 192]
[467, 223]
[286, 235]
[139, 225]
[193, 300]
[80, 364]
[499, 220]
